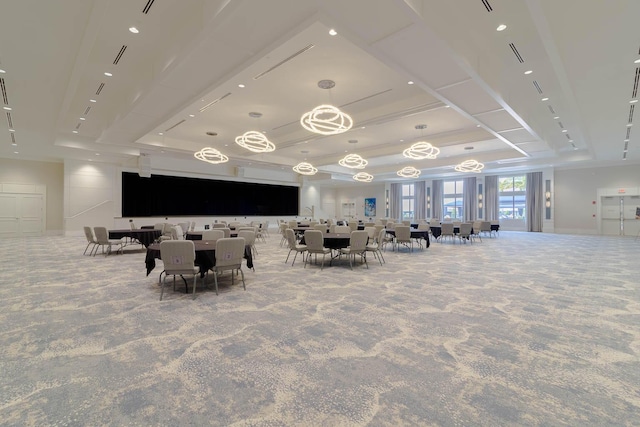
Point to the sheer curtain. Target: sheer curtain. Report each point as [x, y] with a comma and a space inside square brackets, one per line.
[395, 202]
[535, 201]
[421, 200]
[436, 199]
[469, 199]
[491, 197]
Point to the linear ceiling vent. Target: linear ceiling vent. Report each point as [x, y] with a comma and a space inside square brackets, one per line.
[9, 120]
[86, 111]
[365, 98]
[100, 88]
[3, 88]
[631, 110]
[561, 125]
[487, 5]
[119, 55]
[13, 138]
[628, 133]
[147, 6]
[634, 93]
[552, 110]
[516, 53]
[215, 101]
[177, 124]
[537, 86]
[568, 136]
[300, 52]
[78, 126]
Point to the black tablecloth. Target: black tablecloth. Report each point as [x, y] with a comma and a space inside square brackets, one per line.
[334, 240]
[143, 235]
[415, 234]
[197, 235]
[205, 255]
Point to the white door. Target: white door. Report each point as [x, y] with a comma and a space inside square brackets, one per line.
[21, 215]
[610, 215]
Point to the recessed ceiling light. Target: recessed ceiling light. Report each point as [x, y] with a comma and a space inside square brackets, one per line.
[477, 126]
[226, 145]
[82, 118]
[7, 108]
[528, 72]
[332, 32]
[501, 27]
[402, 140]
[564, 131]
[556, 117]
[92, 100]
[160, 133]
[14, 144]
[410, 82]
[134, 30]
[626, 140]
[12, 130]
[633, 101]
[629, 125]
[241, 85]
[545, 99]
[192, 115]
[15, 152]
[97, 154]
[108, 74]
[637, 61]
[571, 140]
[2, 71]
[74, 131]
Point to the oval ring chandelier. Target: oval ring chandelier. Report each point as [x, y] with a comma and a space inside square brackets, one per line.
[353, 161]
[256, 142]
[470, 166]
[211, 155]
[326, 120]
[409, 172]
[421, 150]
[363, 177]
[305, 168]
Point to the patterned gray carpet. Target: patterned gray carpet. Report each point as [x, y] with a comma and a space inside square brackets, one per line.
[523, 329]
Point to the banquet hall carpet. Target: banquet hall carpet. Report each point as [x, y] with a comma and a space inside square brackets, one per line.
[524, 329]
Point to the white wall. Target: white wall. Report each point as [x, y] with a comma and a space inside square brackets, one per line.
[356, 194]
[577, 189]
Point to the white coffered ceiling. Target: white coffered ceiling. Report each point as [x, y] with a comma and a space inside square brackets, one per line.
[177, 80]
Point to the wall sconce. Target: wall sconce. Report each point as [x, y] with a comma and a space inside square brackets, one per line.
[480, 201]
[547, 197]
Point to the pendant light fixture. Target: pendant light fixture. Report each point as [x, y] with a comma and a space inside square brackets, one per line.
[409, 172]
[421, 150]
[305, 168]
[363, 177]
[326, 119]
[470, 166]
[211, 155]
[353, 161]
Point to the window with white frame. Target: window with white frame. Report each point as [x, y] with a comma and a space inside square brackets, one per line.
[408, 201]
[452, 199]
[513, 195]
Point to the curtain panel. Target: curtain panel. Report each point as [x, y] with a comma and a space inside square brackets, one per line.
[534, 201]
[436, 199]
[491, 198]
[420, 207]
[395, 202]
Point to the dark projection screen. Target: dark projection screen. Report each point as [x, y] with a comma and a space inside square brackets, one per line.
[177, 196]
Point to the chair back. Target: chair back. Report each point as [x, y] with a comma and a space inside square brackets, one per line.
[447, 229]
[371, 230]
[380, 236]
[132, 225]
[390, 225]
[423, 226]
[320, 227]
[403, 233]
[465, 229]
[342, 229]
[291, 238]
[159, 226]
[353, 226]
[406, 222]
[229, 252]
[313, 239]
[358, 240]
[177, 233]
[378, 227]
[485, 226]
[212, 234]
[246, 228]
[226, 231]
[178, 256]
[249, 236]
[219, 225]
[88, 233]
[477, 226]
[193, 226]
[292, 224]
[103, 238]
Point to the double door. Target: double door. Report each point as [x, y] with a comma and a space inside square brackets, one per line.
[21, 215]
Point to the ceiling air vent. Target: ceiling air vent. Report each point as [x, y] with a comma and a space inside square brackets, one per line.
[284, 61]
[9, 120]
[487, 5]
[631, 109]
[552, 110]
[215, 101]
[147, 6]
[561, 125]
[365, 98]
[119, 55]
[537, 86]
[86, 111]
[100, 88]
[13, 138]
[78, 126]
[628, 132]
[516, 53]
[177, 124]
[634, 93]
[4, 92]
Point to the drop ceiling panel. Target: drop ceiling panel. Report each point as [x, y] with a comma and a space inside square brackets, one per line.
[470, 97]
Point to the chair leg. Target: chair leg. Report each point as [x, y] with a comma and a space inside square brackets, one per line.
[215, 280]
[162, 289]
[195, 281]
[242, 275]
